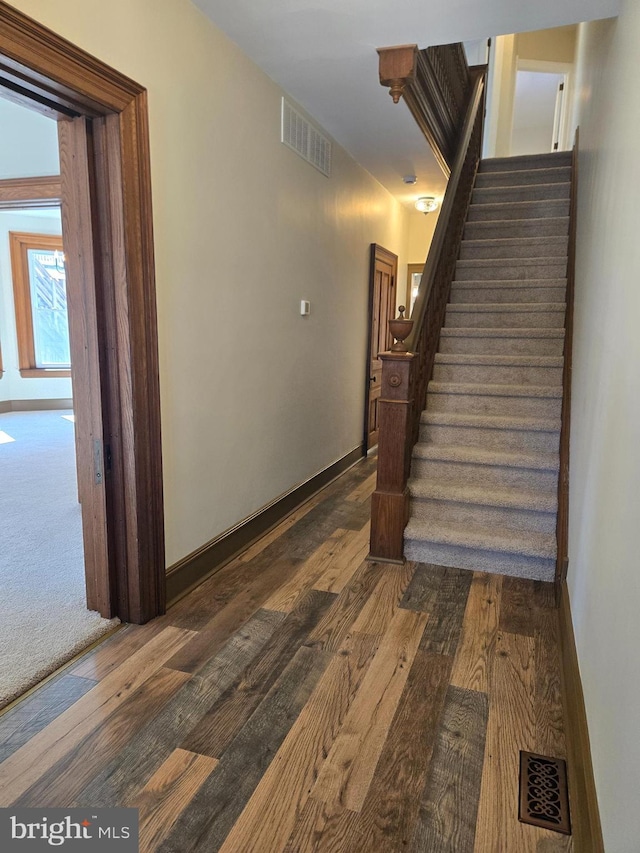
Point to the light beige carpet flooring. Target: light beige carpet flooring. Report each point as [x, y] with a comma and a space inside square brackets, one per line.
[43, 617]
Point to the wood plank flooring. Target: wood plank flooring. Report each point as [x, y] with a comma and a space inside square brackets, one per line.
[304, 699]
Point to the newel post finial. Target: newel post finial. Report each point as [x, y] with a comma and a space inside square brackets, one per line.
[397, 68]
[396, 89]
[400, 328]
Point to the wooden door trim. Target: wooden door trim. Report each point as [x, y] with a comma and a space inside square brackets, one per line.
[376, 252]
[26, 193]
[83, 269]
[46, 72]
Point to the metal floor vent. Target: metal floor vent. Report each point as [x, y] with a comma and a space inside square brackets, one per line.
[544, 798]
[299, 134]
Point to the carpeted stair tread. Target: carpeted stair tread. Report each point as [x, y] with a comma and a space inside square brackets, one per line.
[473, 332]
[502, 340]
[483, 456]
[505, 307]
[506, 283]
[530, 544]
[521, 192]
[483, 263]
[529, 162]
[506, 422]
[552, 226]
[550, 175]
[539, 500]
[500, 360]
[480, 389]
[538, 209]
[509, 248]
[508, 261]
[521, 290]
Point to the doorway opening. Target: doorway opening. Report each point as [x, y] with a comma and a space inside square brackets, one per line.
[45, 620]
[383, 274]
[538, 112]
[105, 197]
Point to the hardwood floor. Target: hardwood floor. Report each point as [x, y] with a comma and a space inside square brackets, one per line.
[304, 699]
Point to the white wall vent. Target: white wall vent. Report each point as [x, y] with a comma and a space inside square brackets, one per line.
[306, 140]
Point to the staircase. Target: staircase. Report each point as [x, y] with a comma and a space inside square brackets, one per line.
[484, 473]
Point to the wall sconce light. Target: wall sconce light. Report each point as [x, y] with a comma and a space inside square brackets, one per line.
[426, 204]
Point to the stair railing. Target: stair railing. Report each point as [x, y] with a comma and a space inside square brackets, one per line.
[434, 83]
[408, 366]
[562, 522]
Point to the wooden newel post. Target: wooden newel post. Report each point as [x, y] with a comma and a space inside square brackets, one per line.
[397, 68]
[390, 501]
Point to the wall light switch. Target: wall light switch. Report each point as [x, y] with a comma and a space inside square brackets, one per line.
[305, 307]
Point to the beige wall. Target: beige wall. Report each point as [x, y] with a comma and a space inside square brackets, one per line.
[421, 228]
[420, 233]
[255, 398]
[555, 45]
[500, 94]
[604, 568]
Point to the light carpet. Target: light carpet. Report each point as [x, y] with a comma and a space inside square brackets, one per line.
[44, 621]
[484, 473]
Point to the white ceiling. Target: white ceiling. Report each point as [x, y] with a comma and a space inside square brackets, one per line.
[323, 52]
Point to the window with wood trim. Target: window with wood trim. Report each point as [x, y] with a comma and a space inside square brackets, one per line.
[39, 288]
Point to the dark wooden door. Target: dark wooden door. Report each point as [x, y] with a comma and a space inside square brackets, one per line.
[382, 304]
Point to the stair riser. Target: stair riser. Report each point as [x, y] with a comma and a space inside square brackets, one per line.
[523, 210]
[536, 176]
[491, 439]
[516, 228]
[451, 512]
[497, 373]
[509, 270]
[526, 162]
[501, 346]
[490, 476]
[479, 404]
[514, 565]
[518, 293]
[505, 320]
[530, 192]
[552, 247]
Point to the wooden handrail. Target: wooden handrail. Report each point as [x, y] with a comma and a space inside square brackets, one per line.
[442, 225]
[562, 524]
[406, 375]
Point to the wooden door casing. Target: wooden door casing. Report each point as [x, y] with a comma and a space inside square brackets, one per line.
[104, 136]
[382, 303]
[79, 242]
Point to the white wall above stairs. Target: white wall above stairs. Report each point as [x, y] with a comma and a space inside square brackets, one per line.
[604, 552]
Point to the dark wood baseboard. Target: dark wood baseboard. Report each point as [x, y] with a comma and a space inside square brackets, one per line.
[34, 405]
[198, 566]
[585, 816]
